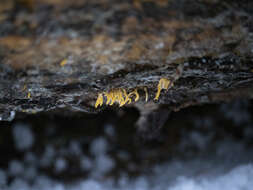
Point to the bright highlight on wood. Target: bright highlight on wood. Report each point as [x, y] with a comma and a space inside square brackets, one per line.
[163, 84]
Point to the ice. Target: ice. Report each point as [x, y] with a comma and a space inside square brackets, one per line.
[123, 155]
[30, 173]
[237, 112]
[19, 184]
[103, 164]
[30, 158]
[60, 165]
[75, 148]
[169, 176]
[98, 146]
[90, 184]
[3, 178]
[42, 183]
[141, 183]
[23, 137]
[109, 130]
[199, 140]
[48, 156]
[86, 163]
[15, 168]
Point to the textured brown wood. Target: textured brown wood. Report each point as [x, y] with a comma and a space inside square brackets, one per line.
[60, 54]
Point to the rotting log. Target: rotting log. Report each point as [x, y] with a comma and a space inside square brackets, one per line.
[58, 55]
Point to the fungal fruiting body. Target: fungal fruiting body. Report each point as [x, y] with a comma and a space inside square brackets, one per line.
[135, 92]
[146, 93]
[164, 83]
[118, 95]
[29, 95]
[99, 101]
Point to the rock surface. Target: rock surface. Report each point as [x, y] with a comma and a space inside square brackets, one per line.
[61, 54]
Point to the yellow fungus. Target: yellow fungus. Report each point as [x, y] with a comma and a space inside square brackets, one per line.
[29, 95]
[63, 62]
[163, 84]
[137, 95]
[113, 95]
[122, 103]
[146, 93]
[120, 95]
[99, 101]
[117, 95]
[126, 100]
[24, 88]
[108, 96]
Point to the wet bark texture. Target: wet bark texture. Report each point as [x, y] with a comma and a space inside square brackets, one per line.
[61, 54]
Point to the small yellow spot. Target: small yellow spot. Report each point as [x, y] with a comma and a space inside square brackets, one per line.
[63, 62]
[29, 95]
[163, 84]
[24, 88]
[99, 101]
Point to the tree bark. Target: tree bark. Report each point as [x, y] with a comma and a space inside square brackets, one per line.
[58, 55]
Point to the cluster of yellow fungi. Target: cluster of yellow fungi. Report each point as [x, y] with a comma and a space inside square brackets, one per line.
[121, 96]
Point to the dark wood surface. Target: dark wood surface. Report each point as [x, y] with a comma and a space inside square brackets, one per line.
[58, 55]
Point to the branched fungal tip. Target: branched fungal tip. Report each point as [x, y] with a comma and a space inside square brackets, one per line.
[164, 83]
[99, 101]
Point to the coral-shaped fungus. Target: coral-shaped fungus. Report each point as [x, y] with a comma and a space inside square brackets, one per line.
[118, 95]
[164, 83]
[121, 96]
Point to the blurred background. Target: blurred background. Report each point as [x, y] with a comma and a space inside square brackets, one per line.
[202, 147]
